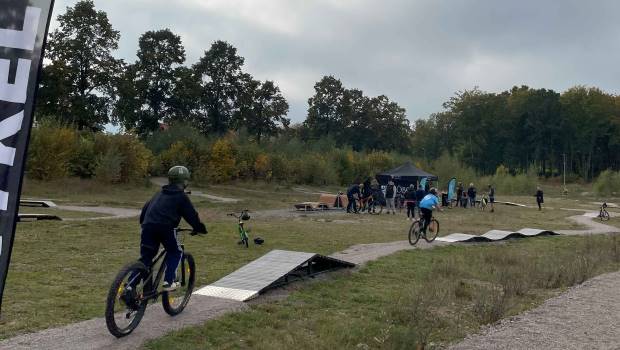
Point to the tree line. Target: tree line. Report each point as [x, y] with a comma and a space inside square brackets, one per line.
[523, 128]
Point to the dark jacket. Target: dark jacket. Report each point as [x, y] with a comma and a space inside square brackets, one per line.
[354, 189]
[539, 196]
[419, 194]
[471, 192]
[167, 207]
[410, 195]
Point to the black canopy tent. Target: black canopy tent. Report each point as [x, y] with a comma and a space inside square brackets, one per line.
[404, 175]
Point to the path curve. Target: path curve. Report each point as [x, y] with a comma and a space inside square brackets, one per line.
[161, 181]
[115, 213]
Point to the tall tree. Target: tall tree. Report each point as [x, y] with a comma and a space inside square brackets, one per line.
[325, 108]
[77, 86]
[262, 108]
[154, 76]
[219, 71]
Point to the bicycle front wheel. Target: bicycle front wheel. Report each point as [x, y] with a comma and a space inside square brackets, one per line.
[414, 232]
[432, 231]
[125, 304]
[175, 301]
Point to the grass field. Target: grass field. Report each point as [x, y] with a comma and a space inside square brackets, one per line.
[60, 271]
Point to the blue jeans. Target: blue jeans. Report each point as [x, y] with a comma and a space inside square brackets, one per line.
[152, 236]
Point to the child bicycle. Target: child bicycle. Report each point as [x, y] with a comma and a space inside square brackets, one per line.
[243, 233]
[603, 214]
[415, 231]
[135, 285]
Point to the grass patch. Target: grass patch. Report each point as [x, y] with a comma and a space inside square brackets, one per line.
[434, 297]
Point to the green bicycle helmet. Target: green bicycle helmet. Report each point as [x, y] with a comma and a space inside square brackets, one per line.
[178, 175]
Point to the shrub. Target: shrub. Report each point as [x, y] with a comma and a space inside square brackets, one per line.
[85, 159]
[51, 149]
[109, 169]
[607, 183]
[135, 158]
[186, 153]
[262, 167]
[221, 162]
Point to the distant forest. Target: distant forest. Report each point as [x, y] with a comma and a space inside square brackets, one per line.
[84, 86]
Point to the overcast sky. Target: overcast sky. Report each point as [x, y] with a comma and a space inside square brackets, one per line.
[419, 53]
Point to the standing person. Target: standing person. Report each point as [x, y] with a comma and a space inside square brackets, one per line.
[471, 194]
[539, 197]
[390, 193]
[411, 202]
[459, 193]
[419, 195]
[159, 218]
[492, 197]
[366, 192]
[352, 193]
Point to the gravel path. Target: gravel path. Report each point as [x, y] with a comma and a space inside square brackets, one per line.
[587, 316]
[161, 181]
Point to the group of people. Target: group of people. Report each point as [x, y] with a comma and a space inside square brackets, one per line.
[468, 198]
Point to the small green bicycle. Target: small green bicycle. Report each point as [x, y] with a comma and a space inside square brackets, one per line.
[243, 233]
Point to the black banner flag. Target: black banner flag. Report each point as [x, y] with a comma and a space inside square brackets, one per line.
[23, 29]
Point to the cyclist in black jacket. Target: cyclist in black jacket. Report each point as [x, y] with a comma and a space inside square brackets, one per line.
[159, 218]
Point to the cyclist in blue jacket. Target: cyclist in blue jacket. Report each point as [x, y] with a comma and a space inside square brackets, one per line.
[159, 218]
[427, 204]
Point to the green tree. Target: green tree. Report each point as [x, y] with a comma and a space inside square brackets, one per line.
[219, 71]
[262, 108]
[77, 86]
[149, 85]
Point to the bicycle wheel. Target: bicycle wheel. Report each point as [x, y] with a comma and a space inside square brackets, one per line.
[414, 232]
[175, 301]
[432, 231]
[376, 208]
[604, 215]
[125, 306]
[245, 240]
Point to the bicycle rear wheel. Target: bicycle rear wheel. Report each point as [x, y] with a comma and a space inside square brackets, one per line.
[414, 232]
[376, 208]
[604, 215]
[175, 301]
[125, 304]
[432, 231]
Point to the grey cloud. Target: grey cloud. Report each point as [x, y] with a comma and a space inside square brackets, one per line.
[416, 52]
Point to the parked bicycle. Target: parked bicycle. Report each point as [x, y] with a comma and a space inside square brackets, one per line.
[415, 231]
[243, 233]
[603, 213]
[135, 285]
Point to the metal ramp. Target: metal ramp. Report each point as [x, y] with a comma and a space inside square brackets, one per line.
[276, 268]
[495, 235]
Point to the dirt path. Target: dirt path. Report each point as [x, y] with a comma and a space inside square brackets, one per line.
[161, 181]
[587, 316]
[115, 213]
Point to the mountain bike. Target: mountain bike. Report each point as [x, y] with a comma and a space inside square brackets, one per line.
[603, 214]
[135, 285]
[484, 201]
[415, 231]
[243, 233]
[375, 206]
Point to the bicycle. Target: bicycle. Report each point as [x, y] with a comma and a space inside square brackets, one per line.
[135, 285]
[603, 214]
[243, 233]
[375, 206]
[484, 201]
[431, 231]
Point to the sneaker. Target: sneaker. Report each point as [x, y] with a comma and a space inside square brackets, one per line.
[169, 287]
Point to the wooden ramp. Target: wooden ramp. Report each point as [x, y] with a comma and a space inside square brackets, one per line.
[276, 268]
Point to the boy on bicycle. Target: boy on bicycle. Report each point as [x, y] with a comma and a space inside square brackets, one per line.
[159, 218]
[427, 204]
